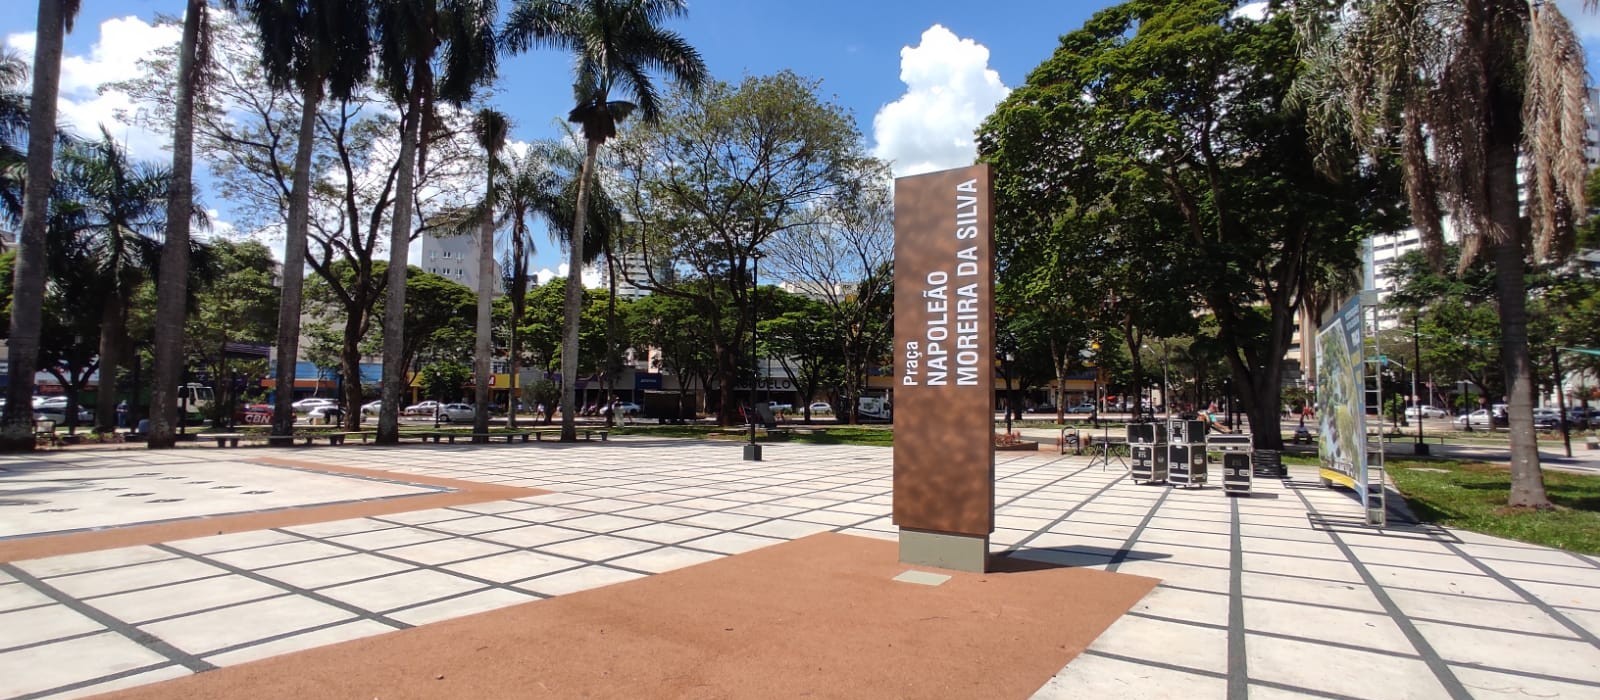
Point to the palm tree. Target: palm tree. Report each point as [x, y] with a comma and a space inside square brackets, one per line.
[325, 50]
[491, 127]
[530, 188]
[411, 36]
[172, 290]
[1463, 92]
[13, 127]
[616, 43]
[27, 295]
[114, 208]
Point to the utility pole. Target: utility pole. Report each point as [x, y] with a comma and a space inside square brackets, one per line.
[1421, 448]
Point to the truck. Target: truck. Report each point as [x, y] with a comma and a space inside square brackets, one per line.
[874, 408]
[193, 401]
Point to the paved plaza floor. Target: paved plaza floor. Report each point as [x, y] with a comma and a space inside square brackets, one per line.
[1279, 594]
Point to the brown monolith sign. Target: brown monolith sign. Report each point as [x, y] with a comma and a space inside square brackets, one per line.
[944, 367]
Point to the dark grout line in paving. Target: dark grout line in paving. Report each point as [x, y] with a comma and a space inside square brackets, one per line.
[298, 590]
[1543, 606]
[1238, 658]
[1435, 663]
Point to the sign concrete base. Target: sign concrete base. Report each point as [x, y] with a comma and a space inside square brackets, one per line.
[752, 453]
[944, 550]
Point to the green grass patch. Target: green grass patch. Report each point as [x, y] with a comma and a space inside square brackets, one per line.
[1473, 495]
[824, 435]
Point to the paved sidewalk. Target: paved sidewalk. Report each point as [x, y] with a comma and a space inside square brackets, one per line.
[1283, 593]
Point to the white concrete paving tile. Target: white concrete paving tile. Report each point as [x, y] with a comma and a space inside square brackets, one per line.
[494, 507]
[279, 554]
[328, 572]
[1201, 648]
[133, 681]
[665, 533]
[580, 579]
[1322, 624]
[1296, 566]
[513, 566]
[665, 559]
[732, 542]
[1485, 683]
[322, 637]
[1319, 667]
[721, 521]
[1440, 582]
[442, 551]
[1561, 658]
[765, 510]
[603, 523]
[830, 517]
[20, 595]
[426, 517]
[472, 603]
[90, 561]
[787, 529]
[43, 624]
[209, 631]
[1186, 605]
[1341, 594]
[339, 527]
[1090, 677]
[1199, 578]
[475, 525]
[399, 590]
[132, 577]
[549, 514]
[660, 512]
[1509, 615]
[532, 535]
[41, 668]
[385, 539]
[597, 548]
[234, 540]
[184, 598]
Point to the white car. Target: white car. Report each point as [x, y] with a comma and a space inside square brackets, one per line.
[372, 408]
[628, 408]
[305, 405]
[426, 408]
[821, 408]
[1426, 411]
[452, 412]
[1477, 419]
[325, 415]
[780, 407]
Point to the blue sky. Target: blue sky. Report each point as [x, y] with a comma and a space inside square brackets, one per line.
[917, 74]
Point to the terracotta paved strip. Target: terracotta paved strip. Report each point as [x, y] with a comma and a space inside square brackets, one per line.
[816, 617]
[462, 493]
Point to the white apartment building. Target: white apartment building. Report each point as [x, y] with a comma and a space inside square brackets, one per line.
[455, 258]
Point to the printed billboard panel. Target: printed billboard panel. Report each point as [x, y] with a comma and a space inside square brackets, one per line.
[944, 352]
[1341, 398]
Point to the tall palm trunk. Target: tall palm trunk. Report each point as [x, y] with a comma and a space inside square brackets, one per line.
[574, 300]
[481, 365]
[394, 315]
[1527, 480]
[294, 270]
[27, 287]
[171, 291]
[111, 332]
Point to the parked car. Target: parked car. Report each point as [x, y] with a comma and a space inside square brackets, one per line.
[1476, 419]
[371, 408]
[253, 414]
[780, 407]
[821, 408]
[325, 415]
[452, 412]
[426, 408]
[1579, 417]
[305, 405]
[1426, 412]
[58, 412]
[1043, 408]
[1546, 419]
[1082, 408]
[628, 408]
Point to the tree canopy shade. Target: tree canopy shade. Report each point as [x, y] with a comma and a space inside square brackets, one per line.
[618, 44]
[1465, 93]
[1156, 145]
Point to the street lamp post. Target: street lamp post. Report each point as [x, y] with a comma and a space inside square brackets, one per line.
[752, 451]
[1421, 448]
[1010, 395]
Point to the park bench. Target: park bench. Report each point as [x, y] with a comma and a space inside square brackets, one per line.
[587, 433]
[225, 439]
[510, 437]
[45, 430]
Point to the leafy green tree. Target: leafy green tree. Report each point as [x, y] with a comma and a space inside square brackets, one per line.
[724, 173]
[237, 304]
[428, 51]
[801, 336]
[1165, 126]
[671, 326]
[617, 45]
[16, 426]
[320, 49]
[13, 128]
[444, 380]
[1486, 99]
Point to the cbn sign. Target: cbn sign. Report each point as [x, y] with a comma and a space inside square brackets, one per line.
[943, 352]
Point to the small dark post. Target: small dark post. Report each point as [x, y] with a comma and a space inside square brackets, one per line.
[752, 451]
[1421, 448]
[1561, 400]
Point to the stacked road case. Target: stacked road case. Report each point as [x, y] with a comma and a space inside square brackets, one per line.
[1236, 451]
[1186, 452]
[1147, 447]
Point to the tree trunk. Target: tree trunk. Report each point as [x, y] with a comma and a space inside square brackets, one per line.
[394, 314]
[111, 332]
[294, 264]
[727, 375]
[27, 285]
[1527, 479]
[350, 364]
[574, 300]
[171, 291]
[484, 347]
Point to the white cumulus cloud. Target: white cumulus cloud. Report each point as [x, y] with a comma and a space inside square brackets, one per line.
[950, 89]
[82, 106]
[591, 276]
